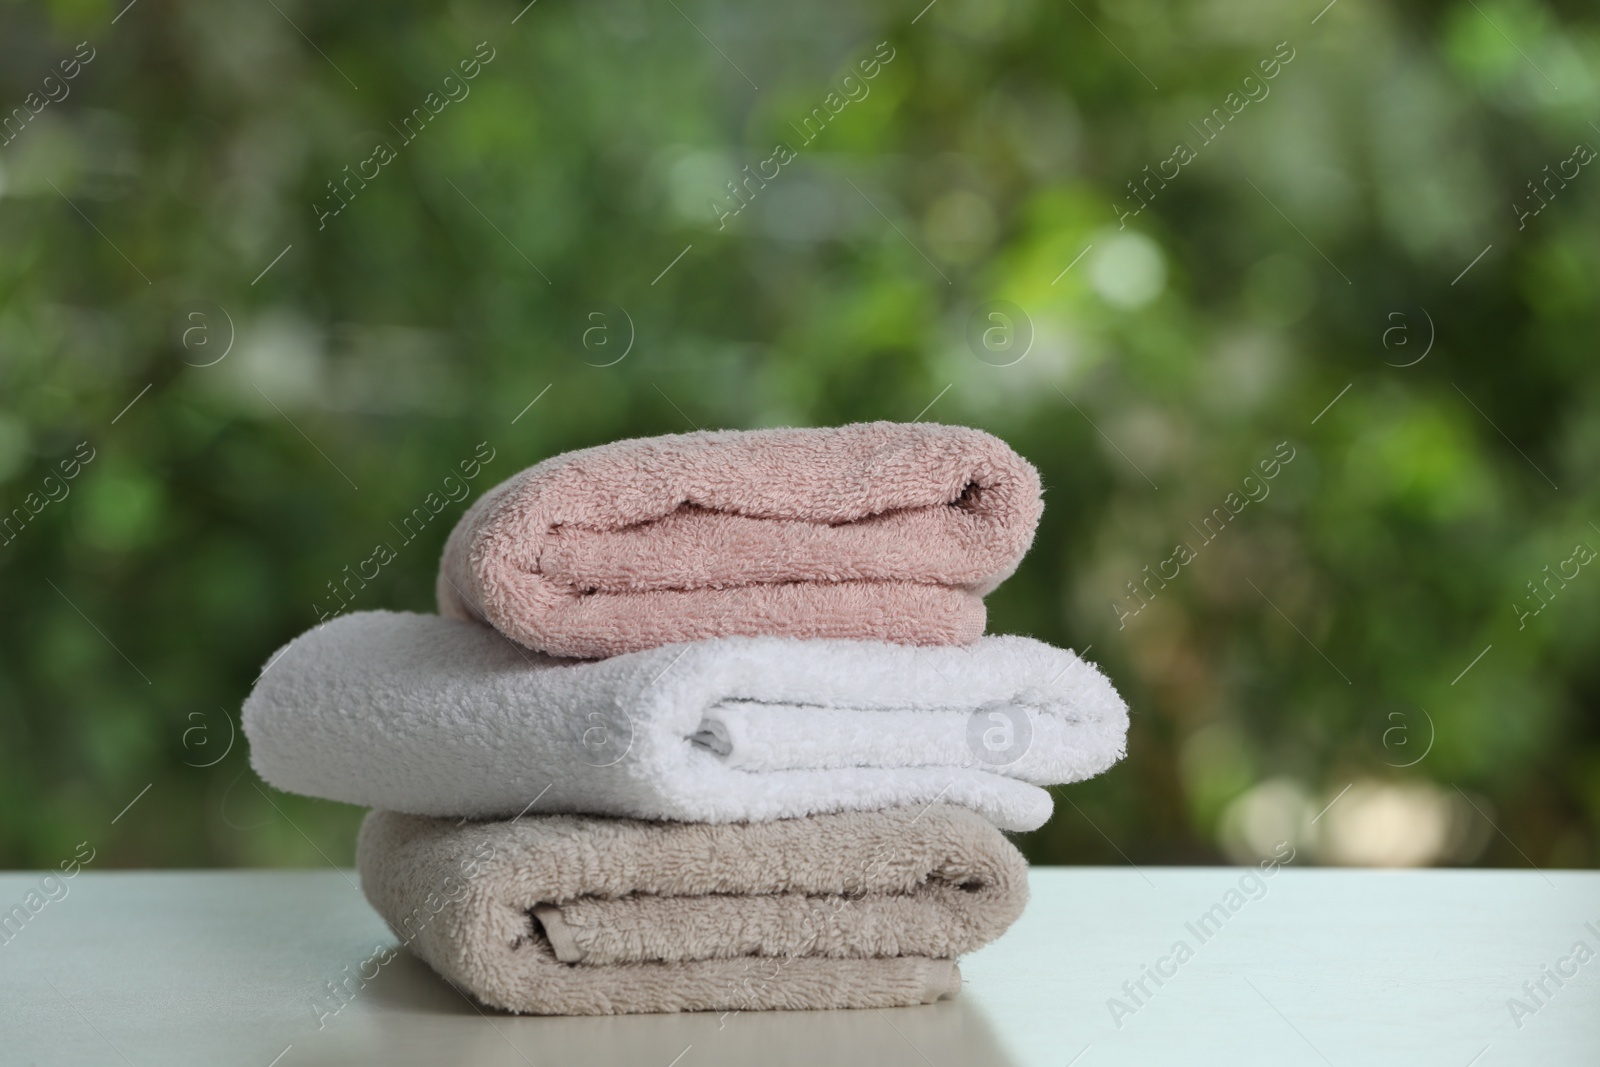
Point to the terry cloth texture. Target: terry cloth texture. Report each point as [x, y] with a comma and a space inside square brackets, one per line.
[878, 530]
[435, 716]
[582, 915]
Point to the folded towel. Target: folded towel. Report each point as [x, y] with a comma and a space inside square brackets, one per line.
[434, 716]
[582, 915]
[875, 530]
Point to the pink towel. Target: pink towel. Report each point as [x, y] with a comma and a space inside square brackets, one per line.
[878, 530]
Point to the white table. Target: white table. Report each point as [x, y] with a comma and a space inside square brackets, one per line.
[1327, 967]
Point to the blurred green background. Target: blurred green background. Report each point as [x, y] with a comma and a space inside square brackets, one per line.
[1345, 665]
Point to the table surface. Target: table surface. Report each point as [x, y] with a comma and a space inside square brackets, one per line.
[1310, 967]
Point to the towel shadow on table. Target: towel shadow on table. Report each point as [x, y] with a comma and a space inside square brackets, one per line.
[954, 1031]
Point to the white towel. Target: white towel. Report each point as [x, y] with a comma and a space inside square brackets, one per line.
[436, 716]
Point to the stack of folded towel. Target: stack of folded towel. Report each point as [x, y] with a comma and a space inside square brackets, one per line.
[708, 722]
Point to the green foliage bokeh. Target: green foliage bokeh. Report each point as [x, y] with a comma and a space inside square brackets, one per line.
[573, 204]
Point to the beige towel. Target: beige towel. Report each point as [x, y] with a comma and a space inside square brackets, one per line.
[585, 915]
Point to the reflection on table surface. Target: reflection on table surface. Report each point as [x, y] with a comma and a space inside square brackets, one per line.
[1309, 967]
